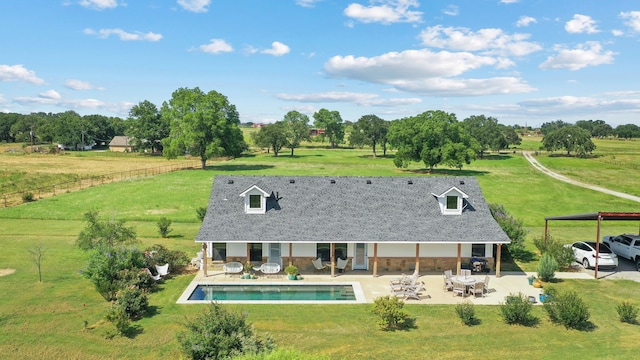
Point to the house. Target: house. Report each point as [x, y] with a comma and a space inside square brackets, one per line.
[378, 223]
[121, 144]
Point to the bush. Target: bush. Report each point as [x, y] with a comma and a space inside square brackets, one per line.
[217, 333]
[164, 227]
[563, 255]
[513, 228]
[517, 311]
[543, 244]
[28, 197]
[547, 267]
[628, 312]
[159, 255]
[391, 313]
[466, 313]
[201, 212]
[112, 270]
[569, 310]
[118, 317]
[282, 354]
[134, 302]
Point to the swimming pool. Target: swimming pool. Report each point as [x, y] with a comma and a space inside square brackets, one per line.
[274, 293]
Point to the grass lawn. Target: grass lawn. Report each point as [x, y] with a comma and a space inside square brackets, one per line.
[46, 320]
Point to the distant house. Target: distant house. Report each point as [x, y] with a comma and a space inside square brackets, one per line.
[121, 144]
[378, 223]
[316, 132]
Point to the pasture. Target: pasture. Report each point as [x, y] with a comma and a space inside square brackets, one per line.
[46, 320]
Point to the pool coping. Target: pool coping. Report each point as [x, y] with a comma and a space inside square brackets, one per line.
[357, 290]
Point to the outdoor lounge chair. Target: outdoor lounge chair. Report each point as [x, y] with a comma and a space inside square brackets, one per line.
[270, 268]
[405, 279]
[154, 277]
[342, 264]
[233, 267]
[317, 263]
[411, 292]
[163, 270]
[405, 287]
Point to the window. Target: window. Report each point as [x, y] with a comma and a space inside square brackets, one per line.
[478, 250]
[255, 201]
[452, 202]
[219, 251]
[323, 251]
[255, 252]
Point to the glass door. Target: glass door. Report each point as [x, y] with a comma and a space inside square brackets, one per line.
[360, 261]
[274, 254]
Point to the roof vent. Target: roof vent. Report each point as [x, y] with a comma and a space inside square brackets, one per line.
[368, 182]
[292, 181]
[332, 181]
[230, 181]
[410, 182]
[461, 182]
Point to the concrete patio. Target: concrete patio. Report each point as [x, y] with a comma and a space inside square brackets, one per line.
[373, 287]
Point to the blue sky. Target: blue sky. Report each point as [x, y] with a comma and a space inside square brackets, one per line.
[520, 61]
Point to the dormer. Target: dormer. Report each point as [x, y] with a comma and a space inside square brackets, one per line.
[451, 201]
[255, 200]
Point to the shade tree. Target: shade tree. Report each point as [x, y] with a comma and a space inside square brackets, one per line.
[569, 138]
[147, 127]
[297, 129]
[273, 136]
[370, 130]
[487, 131]
[331, 123]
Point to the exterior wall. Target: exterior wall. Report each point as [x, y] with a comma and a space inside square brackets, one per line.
[121, 148]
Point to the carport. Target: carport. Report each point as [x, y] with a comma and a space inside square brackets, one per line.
[597, 216]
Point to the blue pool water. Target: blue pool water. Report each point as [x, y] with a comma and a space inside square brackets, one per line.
[274, 292]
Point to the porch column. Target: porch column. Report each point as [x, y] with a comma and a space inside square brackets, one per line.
[417, 257]
[290, 256]
[375, 259]
[498, 256]
[248, 252]
[459, 263]
[204, 260]
[333, 260]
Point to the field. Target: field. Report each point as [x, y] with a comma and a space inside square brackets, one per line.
[46, 320]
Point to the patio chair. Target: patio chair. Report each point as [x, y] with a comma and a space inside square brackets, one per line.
[403, 286]
[154, 277]
[448, 274]
[405, 279]
[163, 270]
[486, 284]
[342, 264]
[477, 288]
[448, 283]
[270, 268]
[465, 272]
[411, 292]
[233, 267]
[317, 263]
[458, 288]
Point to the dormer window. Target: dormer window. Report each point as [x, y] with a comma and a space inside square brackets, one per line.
[451, 201]
[255, 200]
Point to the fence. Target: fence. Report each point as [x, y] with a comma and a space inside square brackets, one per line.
[20, 197]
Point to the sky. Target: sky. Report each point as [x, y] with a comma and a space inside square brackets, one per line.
[522, 62]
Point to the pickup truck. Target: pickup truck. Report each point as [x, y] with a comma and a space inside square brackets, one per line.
[626, 246]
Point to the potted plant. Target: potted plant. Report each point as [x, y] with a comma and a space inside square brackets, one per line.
[291, 271]
[247, 270]
[531, 279]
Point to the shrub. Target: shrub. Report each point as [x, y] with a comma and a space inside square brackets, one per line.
[104, 234]
[28, 197]
[568, 309]
[544, 243]
[547, 267]
[391, 313]
[105, 269]
[513, 228]
[201, 212]
[118, 317]
[627, 312]
[164, 227]
[466, 313]
[134, 302]
[517, 311]
[563, 255]
[159, 255]
[218, 333]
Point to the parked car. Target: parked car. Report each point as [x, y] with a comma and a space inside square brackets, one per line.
[626, 246]
[585, 253]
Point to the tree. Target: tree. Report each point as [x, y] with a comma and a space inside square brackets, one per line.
[272, 136]
[6, 122]
[513, 228]
[628, 131]
[597, 128]
[332, 124]
[37, 253]
[487, 132]
[570, 138]
[147, 126]
[552, 126]
[511, 135]
[433, 137]
[205, 125]
[297, 129]
[370, 130]
[104, 234]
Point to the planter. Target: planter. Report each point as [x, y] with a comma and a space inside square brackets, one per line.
[537, 284]
[531, 280]
[291, 277]
[544, 298]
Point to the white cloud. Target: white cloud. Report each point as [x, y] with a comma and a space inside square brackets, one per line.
[616, 32]
[633, 19]
[491, 40]
[307, 3]
[581, 24]
[75, 84]
[574, 104]
[52, 98]
[509, 1]
[195, 5]
[277, 49]
[123, 35]
[361, 99]
[583, 55]
[216, 46]
[426, 72]
[388, 12]
[19, 73]
[50, 94]
[525, 21]
[451, 10]
[98, 4]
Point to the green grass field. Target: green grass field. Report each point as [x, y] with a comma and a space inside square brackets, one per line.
[45, 320]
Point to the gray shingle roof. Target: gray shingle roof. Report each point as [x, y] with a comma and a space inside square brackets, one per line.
[312, 209]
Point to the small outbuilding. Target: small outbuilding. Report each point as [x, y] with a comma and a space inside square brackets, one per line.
[121, 144]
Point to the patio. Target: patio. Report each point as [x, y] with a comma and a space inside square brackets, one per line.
[373, 287]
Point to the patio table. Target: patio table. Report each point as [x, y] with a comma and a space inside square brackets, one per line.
[467, 281]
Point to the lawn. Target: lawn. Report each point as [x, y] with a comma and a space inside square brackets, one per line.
[46, 319]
